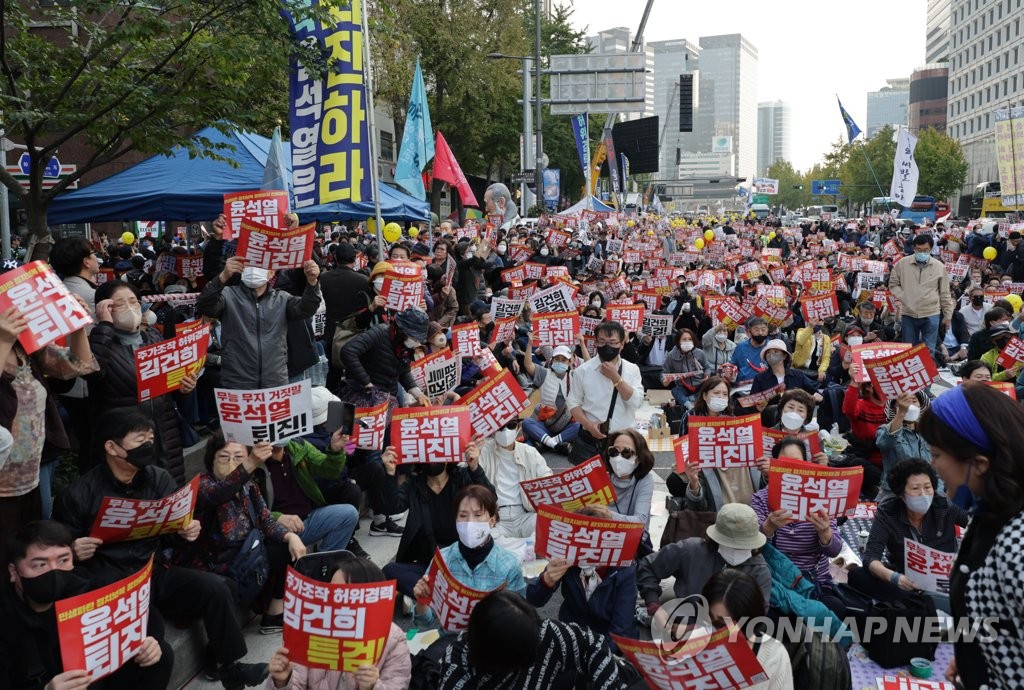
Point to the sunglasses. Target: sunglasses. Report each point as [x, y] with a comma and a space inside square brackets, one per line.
[626, 453]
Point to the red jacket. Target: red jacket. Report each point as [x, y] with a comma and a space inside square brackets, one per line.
[865, 417]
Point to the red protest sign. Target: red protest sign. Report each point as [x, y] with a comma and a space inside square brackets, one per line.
[466, 339]
[819, 308]
[585, 484]
[681, 451]
[101, 630]
[1004, 387]
[906, 372]
[267, 414]
[585, 540]
[48, 307]
[810, 438]
[909, 683]
[403, 287]
[731, 313]
[552, 330]
[336, 627]
[430, 434]
[451, 601]
[371, 423]
[521, 293]
[725, 442]
[438, 373]
[127, 519]
[764, 396]
[160, 368]
[748, 271]
[266, 207]
[927, 567]
[534, 270]
[504, 330]
[495, 401]
[275, 249]
[631, 317]
[1012, 354]
[516, 274]
[803, 488]
[867, 351]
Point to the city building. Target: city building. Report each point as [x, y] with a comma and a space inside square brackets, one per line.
[888, 106]
[673, 59]
[928, 88]
[774, 134]
[936, 38]
[728, 97]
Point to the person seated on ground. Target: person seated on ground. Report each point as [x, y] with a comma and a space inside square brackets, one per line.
[343, 489]
[735, 598]
[392, 672]
[975, 370]
[686, 359]
[900, 440]
[779, 371]
[842, 356]
[915, 511]
[230, 506]
[796, 412]
[979, 343]
[813, 350]
[474, 560]
[128, 470]
[507, 645]
[508, 462]
[809, 544]
[733, 541]
[998, 337]
[866, 412]
[630, 464]
[601, 598]
[40, 573]
[429, 496]
[747, 355]
[552, 423]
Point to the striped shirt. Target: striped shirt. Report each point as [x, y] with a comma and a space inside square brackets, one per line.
[799, 541]
[564, 649]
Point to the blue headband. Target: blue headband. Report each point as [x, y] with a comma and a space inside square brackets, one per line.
[952, 408]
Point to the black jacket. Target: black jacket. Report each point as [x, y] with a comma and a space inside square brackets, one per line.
[370, 358]
[341, 288]
[29, 644]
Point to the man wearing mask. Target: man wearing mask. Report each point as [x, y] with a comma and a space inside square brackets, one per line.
[604, 393]
[551, 424]
[921, 283]
[974, 312]
[508, 462]
[254, 322]
[128, 470]
[874, 329]
[42, 572]
[747, 355]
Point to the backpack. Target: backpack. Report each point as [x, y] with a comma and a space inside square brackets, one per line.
[819, 664]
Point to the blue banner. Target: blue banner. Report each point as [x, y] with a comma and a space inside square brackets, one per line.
[581, 131]
[613, 167]
[417, 140]
[852, 130]
[552, 188]
[330, 136]
[625, 173]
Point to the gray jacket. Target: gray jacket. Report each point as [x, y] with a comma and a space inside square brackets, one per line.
[254, 331]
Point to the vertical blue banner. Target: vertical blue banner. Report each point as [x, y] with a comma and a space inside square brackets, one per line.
[625, 173]
[330, 138]
[581, 131]
[552, 188]
[417, 140]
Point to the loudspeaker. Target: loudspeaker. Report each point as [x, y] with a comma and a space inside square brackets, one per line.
[686, 103]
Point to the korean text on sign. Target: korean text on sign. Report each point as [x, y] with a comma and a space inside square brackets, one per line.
[265, 207]
[725, 442]
[907, 372]
[819, 308]
[631, 317]
[585, 540]
[868, 351]
[927, 567]
[101, 630]
[274, 249]
[555, 299]
[48, 307]
[585, 484]
[438, 373]
[430, 434]
[336, 627]
[451, 601]
[161, 367]
[910, 683]
[466, 339]
[370, 427]
[126, 519]
[274, 415]
[1012, 354]
[495, 401]
[552, 330]
[804, 488]
[721, 661]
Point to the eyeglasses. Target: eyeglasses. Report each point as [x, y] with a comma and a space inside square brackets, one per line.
[125, 304]
[613, 343]
[626, 453]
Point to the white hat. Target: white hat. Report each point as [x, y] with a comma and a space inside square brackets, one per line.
[562, 351]
[776, 344]
[321, 397]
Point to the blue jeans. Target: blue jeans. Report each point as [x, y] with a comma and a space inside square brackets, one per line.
[534, 429]
[920, 330]
[46, 472]
[681, 395]
[331, 525]
[406, 574]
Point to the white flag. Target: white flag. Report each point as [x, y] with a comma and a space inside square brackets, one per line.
[904, 171]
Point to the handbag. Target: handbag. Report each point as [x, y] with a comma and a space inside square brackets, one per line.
[250, 567]
[686, 523]
[586, 446]
[892, 646]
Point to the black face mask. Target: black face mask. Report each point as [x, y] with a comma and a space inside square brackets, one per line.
[52, 586]
[433, 469]
[142, 456]
[978, 301]
[608, 353]
[757, 340]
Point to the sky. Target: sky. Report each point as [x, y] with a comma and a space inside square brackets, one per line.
[807, 51]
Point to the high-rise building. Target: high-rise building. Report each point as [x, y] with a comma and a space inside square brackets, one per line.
[728, 97]
[672, 59]
[774, 134]
[936, 48]
[986, 46]
[888, 106]
[928, 88]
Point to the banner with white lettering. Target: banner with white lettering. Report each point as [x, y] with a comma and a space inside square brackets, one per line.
[585, 540]
[430, 434]
[127, 519]
[274, 415]
[585, 484]
[804, 488]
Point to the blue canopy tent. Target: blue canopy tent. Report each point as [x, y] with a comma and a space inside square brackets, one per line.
[177, 187]
[589, 203]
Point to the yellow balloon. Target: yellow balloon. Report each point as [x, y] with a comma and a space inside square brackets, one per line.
[392, 232]
[630, 223]
[414, 232]
[1015, 300]
[128, 237]
[371, 226]
[771, 235]
[709, 235]
[990, 253]
[698, 243]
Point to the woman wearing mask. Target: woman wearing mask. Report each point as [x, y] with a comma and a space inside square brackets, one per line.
[914, 511]
[474, 560]
[469, 282]
[629, 463]
[376, 311]
[813, 350]
[718, 348]
[999, 337]
[900, 440]
[842, 357]
[685, 359]
[596, 301]
[777, 357]
[114, 339]
[501, 259]
[796, 416]
[551, 423]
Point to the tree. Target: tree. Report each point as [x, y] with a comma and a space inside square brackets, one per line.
[941, 162]
[863, 182]
[794, 192]
[138, 77]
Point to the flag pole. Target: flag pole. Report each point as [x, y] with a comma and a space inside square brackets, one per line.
[371, 122]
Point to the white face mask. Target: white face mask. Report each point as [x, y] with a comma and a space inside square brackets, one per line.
[734, 556]
[128, 320]
[506, 437]
[440, 341]
[913, 413]
[792, 420]
[686, 346]
[854, 340]
[411, 344]
[918, 504]
[543, 251]
[721, 337]
[595, 303]
[718, 404]
[473, 534]
[378, 284]
[621, 466]
[254, 277]
[500, 249]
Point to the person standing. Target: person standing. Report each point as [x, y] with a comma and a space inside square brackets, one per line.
[921, 284]
[341, 288]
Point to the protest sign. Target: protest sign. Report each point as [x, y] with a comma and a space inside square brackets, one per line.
[336, 627]
[719, 661]
[803, 488]
[1012, 354]
[430, 434]
[48, 307]
[496, 400]
[371, 423]
[631, 317]
[819, 308]
[504, 330]
[911, 683]
[521, 293]
[764, 396]
[502, 308]
[275, 249]
[681, 451]
[748, 271]
[438, 373]
[559, 328]
[266, 207]
[866, 351]
[657, 325]
[274, 415]
[451, 601]
[588, 325]
[1005, 387]
[731, 313]
[160, 367]
[927, 567]
[585, 540]
[725, 442]
[127, 519]
[865, 511]
[906, 372]
[553, 300]
[811, 440]
[466, 339]
[585, 484]
[101, 630]
[403, 286]
[534, 270]
[516, 274]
